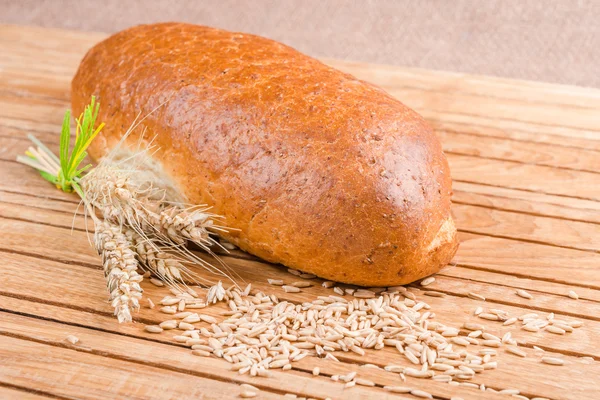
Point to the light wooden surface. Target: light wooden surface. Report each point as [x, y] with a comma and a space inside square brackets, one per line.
[525, 160]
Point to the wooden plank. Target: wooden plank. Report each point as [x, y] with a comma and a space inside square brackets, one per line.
[18, 178]
[446, 101]
[504, 294]
[514, 129]
[528, 375]
[573, 234]
[20, 233]
[70, 373]
[23, 200]
[484, 86]
[526, 202]
[453, 142]
[34, 83]
[470, 169]
[530, 260]
[64, 218]
[510, 150]
[15, 133]
[557, 263]
[33, 37]
[474, 219]
[8, 393]
[380, 74]
[8, 147]
[44, 63]
[43, 216]
[34, 110]
[16, 82]
[14, 178]
[372, 73]
[519, 132]
[576, 184]
[593, 207]
[516, 282]
[17, 236]
[464, 193]
[30, 126]
[383, 75]
[502, 110]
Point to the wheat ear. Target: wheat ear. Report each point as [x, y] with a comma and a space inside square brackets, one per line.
[161, 228]
[120, 268]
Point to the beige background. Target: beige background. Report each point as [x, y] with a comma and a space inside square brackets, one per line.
[553, 41]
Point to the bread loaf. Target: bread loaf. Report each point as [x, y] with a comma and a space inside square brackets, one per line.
[316, 170]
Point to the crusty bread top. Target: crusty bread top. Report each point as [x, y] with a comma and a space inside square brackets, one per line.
[318, 170]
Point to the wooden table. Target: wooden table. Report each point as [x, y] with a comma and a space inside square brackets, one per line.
[525, 159]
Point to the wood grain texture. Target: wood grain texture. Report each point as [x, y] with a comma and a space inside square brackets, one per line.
[21, 393]
[71, 373]
[525, 161]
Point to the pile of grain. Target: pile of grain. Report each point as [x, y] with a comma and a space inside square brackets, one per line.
[260, 333]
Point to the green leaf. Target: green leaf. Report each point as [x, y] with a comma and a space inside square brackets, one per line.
[82, 170]
[65, 139]
[66, 166]
[85, 136]
[76, 163]
[49, 177]
[77, 189]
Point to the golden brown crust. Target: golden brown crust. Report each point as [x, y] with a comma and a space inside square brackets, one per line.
[320, 171]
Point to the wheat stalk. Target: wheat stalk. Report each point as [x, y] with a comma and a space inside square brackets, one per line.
[138, 223]
[162, 227]
[121, 199]
[120, 268]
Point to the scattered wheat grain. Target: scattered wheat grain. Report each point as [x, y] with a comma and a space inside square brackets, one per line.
[427, 281]
[153, 329]
[552, 361]
[475, 296]
[398, 389]
[421, 393]
[72, 339]
[573, 295]
[516, 351]
[156, 282]
[524, 294]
